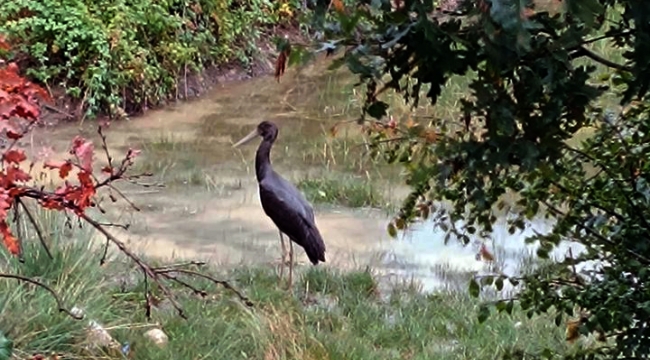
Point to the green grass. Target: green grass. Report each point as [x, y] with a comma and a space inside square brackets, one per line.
[330, 315]
[349, 191]
[176, 162]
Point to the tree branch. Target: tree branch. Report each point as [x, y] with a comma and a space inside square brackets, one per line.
[597, 235]
[637, 211]
[59, 303]
[37, 228]
[223, 283]
[582, 51]
[146, 269]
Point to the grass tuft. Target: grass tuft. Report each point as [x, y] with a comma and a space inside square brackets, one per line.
[330, 314]
[349, 191]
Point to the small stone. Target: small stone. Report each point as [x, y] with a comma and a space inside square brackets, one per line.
[78, 312]
[99, 337]
[157, 336]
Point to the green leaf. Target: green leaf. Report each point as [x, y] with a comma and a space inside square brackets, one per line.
[499, 283]
[501, 306]
[585, 10]
[392, 230]
[357, 67]
[377, 109]
[483, 313]
[474, 288]
[6, 347]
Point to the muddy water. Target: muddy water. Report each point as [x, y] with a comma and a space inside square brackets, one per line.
[209, 208]
[214, 213]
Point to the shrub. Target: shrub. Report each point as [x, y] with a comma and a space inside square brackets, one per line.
[119, 56]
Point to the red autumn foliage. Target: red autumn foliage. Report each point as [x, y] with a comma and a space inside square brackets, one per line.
[19, 112]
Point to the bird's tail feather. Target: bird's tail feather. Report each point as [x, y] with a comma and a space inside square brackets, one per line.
[315, 246]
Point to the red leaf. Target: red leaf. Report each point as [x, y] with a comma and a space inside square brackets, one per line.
[5, 204]
[53, 164]
[15, 173]
[132, 154]
[84, 150]
[13, 135]
[338, 5]
[4, 45]
[64, 167]
[64, 170]
[14, 156]
[281, 63]
[8, 239]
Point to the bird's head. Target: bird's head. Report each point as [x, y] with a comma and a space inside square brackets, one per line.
[266, 130]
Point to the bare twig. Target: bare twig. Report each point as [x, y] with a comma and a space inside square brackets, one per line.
[37, 228]
[109, 158]
[59, 303]
[102, 261]
[179, 265]
[223, 283]
[146, 269]
[121, 226]
[17, 222]
[131, 204]
[57, 110]
[196, 290]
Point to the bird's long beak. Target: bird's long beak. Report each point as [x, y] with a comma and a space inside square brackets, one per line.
[246, 138]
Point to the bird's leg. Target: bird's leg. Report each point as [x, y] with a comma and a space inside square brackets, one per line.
[290, 264]
[282, 261]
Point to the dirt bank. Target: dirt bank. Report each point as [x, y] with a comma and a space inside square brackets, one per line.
[192, 85]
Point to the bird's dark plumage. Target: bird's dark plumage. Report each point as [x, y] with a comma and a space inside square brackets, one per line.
[283, 203]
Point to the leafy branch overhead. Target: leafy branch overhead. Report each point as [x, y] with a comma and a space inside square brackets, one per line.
[80, 189]
[553, 123]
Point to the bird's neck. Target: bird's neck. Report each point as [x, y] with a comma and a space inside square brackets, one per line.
[263, 159]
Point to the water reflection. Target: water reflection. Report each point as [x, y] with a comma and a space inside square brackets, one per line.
[422, 255]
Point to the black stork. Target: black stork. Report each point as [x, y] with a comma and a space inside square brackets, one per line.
[283, 203]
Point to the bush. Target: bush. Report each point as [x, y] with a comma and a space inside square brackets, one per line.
[540, 75]
[122, 55]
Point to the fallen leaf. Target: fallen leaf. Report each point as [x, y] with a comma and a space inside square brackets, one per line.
[485, 254]
[334, 130]
[572, 330]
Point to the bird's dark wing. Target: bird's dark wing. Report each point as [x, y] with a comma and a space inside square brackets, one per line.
[292, 195]
[292, 214]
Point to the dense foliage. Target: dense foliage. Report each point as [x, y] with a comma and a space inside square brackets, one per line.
[118, 56]
[534, 82]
